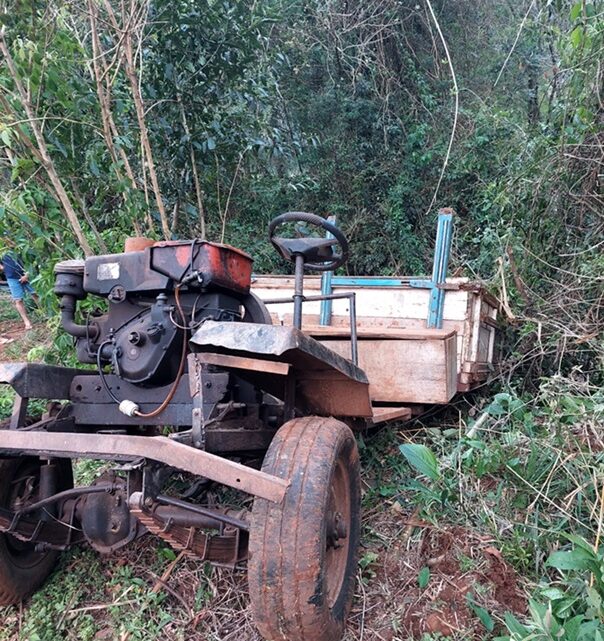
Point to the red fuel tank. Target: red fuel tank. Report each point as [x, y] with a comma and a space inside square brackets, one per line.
[219, 265]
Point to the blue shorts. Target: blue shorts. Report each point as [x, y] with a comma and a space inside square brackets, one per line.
[18, 290]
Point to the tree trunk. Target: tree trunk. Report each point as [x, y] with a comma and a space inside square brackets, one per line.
[47, 162]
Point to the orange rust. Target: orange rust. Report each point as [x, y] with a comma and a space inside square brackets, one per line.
[182, 254]
[221, 265]
[137, 243]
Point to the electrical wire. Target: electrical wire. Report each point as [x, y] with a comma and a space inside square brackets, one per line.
[102, 374]
[192, 324]
[456, 115]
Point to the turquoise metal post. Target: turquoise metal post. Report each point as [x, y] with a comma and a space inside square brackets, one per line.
[442, 250]
[325, 313]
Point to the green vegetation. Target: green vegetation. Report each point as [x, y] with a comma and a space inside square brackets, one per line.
[180, 118]
[528, 474]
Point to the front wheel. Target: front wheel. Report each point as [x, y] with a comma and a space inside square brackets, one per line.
[303, 552]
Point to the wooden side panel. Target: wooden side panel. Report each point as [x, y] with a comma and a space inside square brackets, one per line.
[381, 302]
[468, 310]
[451, 365]
[406, 371]
[383, 414]
[484, 341]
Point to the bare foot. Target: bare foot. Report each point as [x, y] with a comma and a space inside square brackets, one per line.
[28, 328]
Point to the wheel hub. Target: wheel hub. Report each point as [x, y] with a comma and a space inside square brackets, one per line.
[336, 529]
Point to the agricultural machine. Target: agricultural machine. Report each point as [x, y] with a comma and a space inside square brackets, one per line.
[192, 384]
[189, 378]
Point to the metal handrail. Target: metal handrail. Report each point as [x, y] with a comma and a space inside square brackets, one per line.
[353, 315]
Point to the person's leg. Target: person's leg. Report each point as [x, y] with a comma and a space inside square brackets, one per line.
[17, 292]
[23, 313]
[32, 292]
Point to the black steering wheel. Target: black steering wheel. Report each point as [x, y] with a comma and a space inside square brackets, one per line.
[318, 253]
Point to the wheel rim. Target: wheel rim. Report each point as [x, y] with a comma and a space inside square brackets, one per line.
[337, 532]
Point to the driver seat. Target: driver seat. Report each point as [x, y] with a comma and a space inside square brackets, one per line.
[313, 250]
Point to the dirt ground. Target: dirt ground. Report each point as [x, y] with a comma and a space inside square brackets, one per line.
[464, 569]
[10, 331]
[465, 572]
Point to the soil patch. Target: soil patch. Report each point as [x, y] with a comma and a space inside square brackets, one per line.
[10, 332]
[465, 572]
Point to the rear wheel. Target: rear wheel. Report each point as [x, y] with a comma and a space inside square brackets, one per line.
[303, 553]
[22, 568]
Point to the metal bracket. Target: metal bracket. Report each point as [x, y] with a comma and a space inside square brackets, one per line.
[19, 414]
[208, 389]
[154, 477]
[444, 232]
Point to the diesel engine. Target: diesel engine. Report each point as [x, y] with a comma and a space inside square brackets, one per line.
[155, 297]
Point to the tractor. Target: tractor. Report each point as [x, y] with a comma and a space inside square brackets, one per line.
[186, 384]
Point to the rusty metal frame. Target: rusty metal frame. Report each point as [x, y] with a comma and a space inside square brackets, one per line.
[326, 383]
[156, 448]
[243, 362]
[38, 380]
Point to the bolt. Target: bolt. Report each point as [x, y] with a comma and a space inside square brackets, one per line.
[340, 527]
[208, 384]
[148, 501]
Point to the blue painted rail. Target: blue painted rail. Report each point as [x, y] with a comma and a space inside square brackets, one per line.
[444, 233]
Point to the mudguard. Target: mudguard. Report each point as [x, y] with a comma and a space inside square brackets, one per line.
[326, 383]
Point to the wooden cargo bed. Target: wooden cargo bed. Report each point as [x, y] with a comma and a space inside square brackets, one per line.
[406, 363]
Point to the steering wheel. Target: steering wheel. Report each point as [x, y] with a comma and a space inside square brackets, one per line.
[318, 253]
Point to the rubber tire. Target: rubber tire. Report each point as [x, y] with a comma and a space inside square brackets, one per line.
[19, 577]
[287, 548]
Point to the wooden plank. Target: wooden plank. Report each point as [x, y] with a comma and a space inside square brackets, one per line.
[491, 352]
[475, 320]
[383, 414]
[489, 320]
[369, 323]
[243, 362]
[451, 370]
[283, 280]
[384, 333]
[338, 397]
[484, 340]
[398, 313]
[476, 368]
[386, 302]
[406, 371]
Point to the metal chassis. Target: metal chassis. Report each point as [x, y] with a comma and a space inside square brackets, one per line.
[154, 448]
[280, 361]
[64, 437]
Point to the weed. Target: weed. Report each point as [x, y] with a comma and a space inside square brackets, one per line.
[86, 470]
[527, 475]
[8, 312]
[60, 610]
[366, 564]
